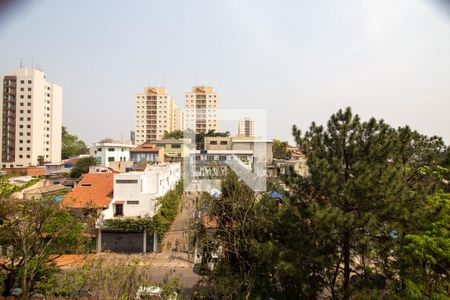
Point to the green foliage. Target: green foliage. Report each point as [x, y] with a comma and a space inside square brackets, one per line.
[370, 221]
[36, 233]
[367, 186]
[279, 149]
[246, 238]
[71, 145]
[425, 256]
[7, 188]
[82, 167]
[176, 134]
[104, 279]
[169, 206]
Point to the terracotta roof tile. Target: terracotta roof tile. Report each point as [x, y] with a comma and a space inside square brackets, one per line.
[145, 148]
[94, 190]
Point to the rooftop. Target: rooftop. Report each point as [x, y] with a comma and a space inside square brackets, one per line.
[145, 148]
[94, 190]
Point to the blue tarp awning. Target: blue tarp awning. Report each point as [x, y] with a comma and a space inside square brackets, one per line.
[275, 195]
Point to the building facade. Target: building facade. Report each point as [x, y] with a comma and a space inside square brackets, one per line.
[112, 151]
[178, 118]
[147, 153]
[136, 193]
[155, 114]
[246, 127]
[201, 109]
[31, 113]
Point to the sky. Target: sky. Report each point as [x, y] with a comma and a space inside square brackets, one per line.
[299, 60]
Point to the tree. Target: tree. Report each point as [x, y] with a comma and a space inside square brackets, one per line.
[366, 184]
[369, 221]
[41, 160]
[82, 167]
[279, 149]
[424, 258]
[36, 233]
[72, 145]
[176, 134]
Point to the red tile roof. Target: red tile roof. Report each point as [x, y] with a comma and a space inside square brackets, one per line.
[95, 190]
[145, 148]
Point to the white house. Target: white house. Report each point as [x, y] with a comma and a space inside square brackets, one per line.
[107, 151]
[135, 193]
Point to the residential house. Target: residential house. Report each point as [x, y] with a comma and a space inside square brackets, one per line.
[135, 196]
[94, 192]
[45, 191]
[174, 149]
[147, 153]
[107, 151]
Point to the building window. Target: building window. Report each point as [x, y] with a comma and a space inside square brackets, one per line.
[133, 202]
[213, 142]
[126, 181]
[119, 210]
[224, 142]
[176, 146]
[110, 158]
[110, 149]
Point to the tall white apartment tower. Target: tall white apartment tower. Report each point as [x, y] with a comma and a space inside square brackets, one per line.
[201, 109]
[31, 119]
[154, 114]
[246, 127]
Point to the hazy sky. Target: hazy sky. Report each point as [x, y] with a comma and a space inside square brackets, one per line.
[300, 60]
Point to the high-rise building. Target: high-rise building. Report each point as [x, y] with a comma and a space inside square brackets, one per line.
[246, 127]
[178, 118]
[201, 109]
[154, 114]
[31, 119]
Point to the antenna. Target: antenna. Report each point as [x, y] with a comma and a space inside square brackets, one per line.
[21, 62]
[32, 63]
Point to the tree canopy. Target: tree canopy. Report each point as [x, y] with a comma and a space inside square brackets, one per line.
[370, 220]
[71, 145]
[36, 233]
[279, 149]
[82, 167]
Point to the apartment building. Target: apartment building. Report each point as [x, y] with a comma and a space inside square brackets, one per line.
[154, 114]
[246, 127]
[201, 109]
[178, 118]
[31, 113]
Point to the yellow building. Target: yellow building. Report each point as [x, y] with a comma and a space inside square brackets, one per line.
[155, 114]
[201, 109]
